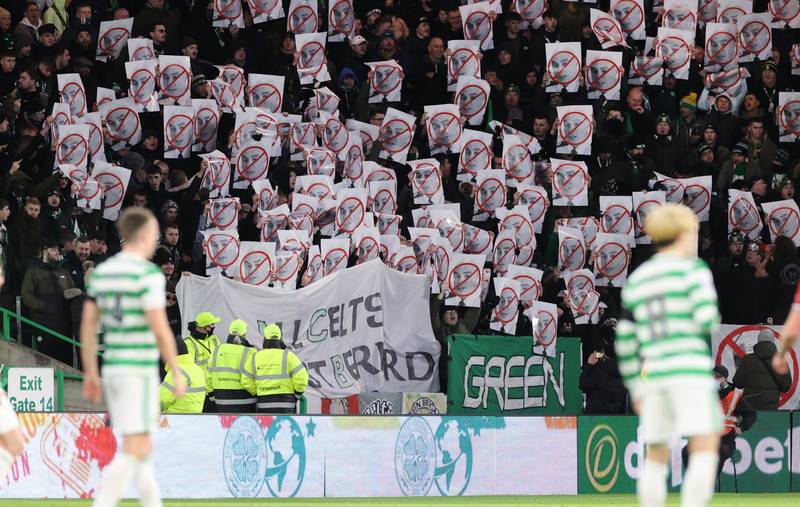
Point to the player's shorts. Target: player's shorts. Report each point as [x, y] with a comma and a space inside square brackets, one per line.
[682, 406]
[8, 419]
[133, 401]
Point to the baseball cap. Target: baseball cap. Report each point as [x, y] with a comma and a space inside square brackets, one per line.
[272, 332]
[204, 319]
[424, 19]
[358, 40]
[238, 327]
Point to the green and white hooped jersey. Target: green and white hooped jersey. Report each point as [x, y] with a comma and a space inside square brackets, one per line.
[669, 308]
[124, 288]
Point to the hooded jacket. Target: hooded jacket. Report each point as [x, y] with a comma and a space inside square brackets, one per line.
[762, 386]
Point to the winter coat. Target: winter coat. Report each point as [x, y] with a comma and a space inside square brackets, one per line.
[762, 386]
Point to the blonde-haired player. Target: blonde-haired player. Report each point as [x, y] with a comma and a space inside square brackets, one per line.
[126, 294]
[669, 308]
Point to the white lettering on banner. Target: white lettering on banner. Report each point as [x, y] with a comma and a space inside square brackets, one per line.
[31, 389]
[364, 328]
[507, 379]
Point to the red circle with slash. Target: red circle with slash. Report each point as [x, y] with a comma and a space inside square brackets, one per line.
[172, 143]
[301, 141]
[441, 261]
[680, 22]
[794, 125]
[708, 15]
[262, 258]
[341, 128]
[342, 258]
[83, 183]
[447, 232]
[625, 215]
[565, 262]
[470, 246]
[75, 91]
[215, 122]
[354, 158]
[526, 13]
[596, 83]
[779, 13]
[317, 49]
[691, 201]
[83, 145]
[95, 139]
[582, 118]
[129, 113]
[348, 17]
[407, 267]
[182, 74]
[792, 218]
[215, 216]
[62, 118]
[608, 28]
[559, 187]
[481, 17]
[449, 118]
[405, 131]
[279, 220]
[616, 250]
[730, 341]
[137, 96]
[340, 224]
[224, 9]
[722, 77]
[454, 73]
[469, 110]
[373, 248]
[533, 285]
[723, 39]
[540, 197]
[420, 187]
[579, 308]
[482, 150]
[514, 301]
[639, 71]
[390, 199]
[143, 53]
[673, 186]
[557, 78]
[118, 30]
[458, 289]
[318, 162]
[668, 57]
[549, 321]
[751, 211]
[307, 13]
[635, 8]
[111, 181]
[269, 91]
[499, 262]
[644, 206]
[381, 86]
[234, 77]
[312, 190]
[293, 256]
[218, 167]
[500, 188]
[259, 7]
[522, 229]
[749, 48]
[524, 158]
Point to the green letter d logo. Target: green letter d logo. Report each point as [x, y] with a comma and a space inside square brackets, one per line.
[602, 458]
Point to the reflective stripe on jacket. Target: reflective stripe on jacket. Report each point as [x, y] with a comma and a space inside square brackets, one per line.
[230, 365]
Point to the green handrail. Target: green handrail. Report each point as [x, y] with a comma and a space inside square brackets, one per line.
[8, 316]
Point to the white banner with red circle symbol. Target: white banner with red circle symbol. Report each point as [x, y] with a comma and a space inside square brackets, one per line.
[537, 201]
[206, 124]
[143, 84]
[272, 221]
[506, 312]
[631, 17]
[518, 221]
[755, 36]
[707, 12]
[443, 127]
[351, 209]
[335, 253]
[140, 48]
[335, 135]
[464, 279]
[732, 82]
[607, 29]
[603, 74]
[516, 161]
[97, 152]
[287, 267]
[680, 15]
[72, 92]
[390, 245]
[316, 185]
[295, 240]
[728, 11]
[405, 261]
[530, 282]
[697, 195]
[674, 46]
[643, 203]
[570, 182]
[397, 133]
[223, 213]
[366, 243]
[326, 217]
[582, 297]
[571, 249]
[530, 11]
[228, 13]
[368, 132]
[674, 188]
[313, 271]
[320, 161]
[105, 95]
[612, 256]
[217, 175]
[303, 17]
[490, 193]
[505, 252]
[463, 60]
[472, 98]
[122, 122]
[575, 129]
[265, 92]
[446, 218]
[304, 203]
[86, 190]
[477, 240]
[731, 342]
[300, 221]
[341, 20]
[544, 321]
[372, 171]
[265, 10]
[178, 131]
[783, 219]
[388, 225]
[326, 101]
[743, 214]
[563, 66]
[785, 13]
[589, 227]
[234, 76]
[789, 116]
[174, 80]
[221, 249]
[301, 134]
[422, 242]
[312, 63]
[225, 96]
[646, 69]
[722, 47]
[426, 182]
[475, 154]
[113, 38]
[113, 181]
[265, 195]
[385, 82]
[353, 159]
[477, 23]
[256, 263]
[72, 146]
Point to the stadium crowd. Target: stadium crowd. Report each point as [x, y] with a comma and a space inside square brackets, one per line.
[704, 123]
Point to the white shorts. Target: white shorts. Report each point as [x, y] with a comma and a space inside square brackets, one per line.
[685, 407]
[133, 401]
[8, 419]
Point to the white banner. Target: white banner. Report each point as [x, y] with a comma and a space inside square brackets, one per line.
[356, 330]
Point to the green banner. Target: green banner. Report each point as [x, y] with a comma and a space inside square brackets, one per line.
[495, 375]
[610, 456]
[795, 452]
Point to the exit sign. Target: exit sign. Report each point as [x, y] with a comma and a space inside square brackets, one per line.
[31, 389]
